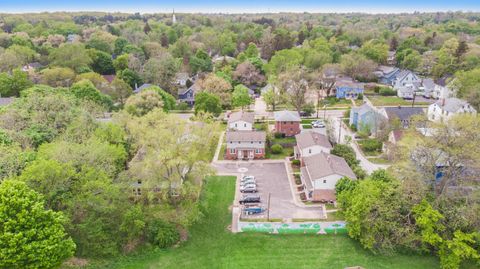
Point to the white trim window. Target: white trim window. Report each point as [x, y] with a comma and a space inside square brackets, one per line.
[258, 151]
[232, 151]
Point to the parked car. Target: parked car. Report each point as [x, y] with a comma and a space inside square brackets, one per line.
[249, 185]
[250, 210]
[250, 200]
[250, 181]
[318, 124]
[249, 189]
[246, 178]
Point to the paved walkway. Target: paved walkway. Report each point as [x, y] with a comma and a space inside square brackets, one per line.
[261, 108]
[364, 162]
[219, 147]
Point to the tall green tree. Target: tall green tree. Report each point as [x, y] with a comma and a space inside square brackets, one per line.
[30, 235]
[240, 96]
[12, 85]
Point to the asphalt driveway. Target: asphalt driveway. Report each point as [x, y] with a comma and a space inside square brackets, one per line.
[271, 179]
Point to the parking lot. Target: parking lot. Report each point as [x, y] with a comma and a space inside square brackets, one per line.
[271, 180]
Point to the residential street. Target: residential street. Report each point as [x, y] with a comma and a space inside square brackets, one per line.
[364, 162]
[261, 108]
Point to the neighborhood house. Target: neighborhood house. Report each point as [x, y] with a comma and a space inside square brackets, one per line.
[287, 122]
[311, 143]
[406, 83]
[348, 89]
[386, 74]
[402, 114]
[241, 121]
[245, 145]
[366, 117]
[444, 109]
[320, 174]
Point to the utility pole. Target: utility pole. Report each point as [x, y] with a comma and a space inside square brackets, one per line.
[414, 95]
[339, 129]
[268, 207]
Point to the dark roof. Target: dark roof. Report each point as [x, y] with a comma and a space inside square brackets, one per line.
[402, 113]
[443, 81]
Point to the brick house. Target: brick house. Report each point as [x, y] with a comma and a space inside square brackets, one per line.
[287, 122]
[245, 145]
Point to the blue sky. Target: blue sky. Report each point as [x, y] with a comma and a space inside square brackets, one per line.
[239, 6]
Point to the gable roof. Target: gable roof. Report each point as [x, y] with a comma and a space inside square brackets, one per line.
[242, 115]
[309, 139]
[387, 71]
[452, 104]
[364, 108]
[286, 115]
[428, 84]
[324, 164]
[403, 73]
[245, 136]
[402, 113]
[6, 100]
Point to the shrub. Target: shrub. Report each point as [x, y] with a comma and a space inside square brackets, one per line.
[360, 96]
[162, 234]
[371, 145]
[353, 127]
[279, 135]
[296, 162]
[387, 92]
[182, 106]
[277, 149]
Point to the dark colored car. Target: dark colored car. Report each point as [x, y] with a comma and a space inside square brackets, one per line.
[249, 200]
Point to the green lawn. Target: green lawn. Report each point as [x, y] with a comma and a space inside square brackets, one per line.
[392, 101]
[288, 151]
[211, 245]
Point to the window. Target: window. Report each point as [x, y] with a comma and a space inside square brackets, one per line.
[232, 151]
[236, 125]
[284, 122]
[251, 142]
[324, 181]
[244, 125]
[258, 151]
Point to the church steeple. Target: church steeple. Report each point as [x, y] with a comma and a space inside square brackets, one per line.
[174, 20]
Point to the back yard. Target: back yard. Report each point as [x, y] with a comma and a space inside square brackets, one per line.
[211, 245]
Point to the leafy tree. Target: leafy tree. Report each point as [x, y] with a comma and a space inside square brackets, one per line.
[273, 97]
[73, 56]
[240, 96]
[357, 66]
[375, 50]
[58, 77]
[468, 85]
[284, 60]
[13, 159]
[200, 62]
[120, 90]
[121, 63]
[12, 85]
[120, 44]
[162, 234]
[218, 86]
[161, 71]
[30, 237]
[168, 100]
[247, 74]
[143, 102]
[85, 90]
[296, 87]
[347, 153]
[207, 102]
[101, 62]
[251, 51]
[131, 77]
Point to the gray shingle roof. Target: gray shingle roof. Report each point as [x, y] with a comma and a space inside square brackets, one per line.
[428, 84]
[403, 113]
[452, 104]
[286, 116]
[308, 139]
[245, 136]
[324, 164]
[143, 87]
[242, 115]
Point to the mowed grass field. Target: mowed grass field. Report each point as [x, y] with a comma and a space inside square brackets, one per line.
[211, 245]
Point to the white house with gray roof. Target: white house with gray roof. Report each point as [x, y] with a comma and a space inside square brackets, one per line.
[444, 109]
[241, 121]
[406, 83]
[310, 143]
[245, 145]
[320, 174]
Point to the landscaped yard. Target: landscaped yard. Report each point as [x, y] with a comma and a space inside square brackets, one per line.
[212, 245]
[379, 100]
[287, 151]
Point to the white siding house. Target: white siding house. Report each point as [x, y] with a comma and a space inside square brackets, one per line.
[444, 109]
[311, 143]
[241, 121]
[406, 83]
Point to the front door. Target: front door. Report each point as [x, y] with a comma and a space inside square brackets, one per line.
[245, 154]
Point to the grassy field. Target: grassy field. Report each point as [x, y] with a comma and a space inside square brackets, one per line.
[211, 245]
[393, 101]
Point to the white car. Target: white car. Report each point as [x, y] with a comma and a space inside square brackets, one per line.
[318, 124]
[248, 189]
[249, 181]
[247, 178]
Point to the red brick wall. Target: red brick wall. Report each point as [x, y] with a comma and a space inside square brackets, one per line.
[289, 128]
[234, 156]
